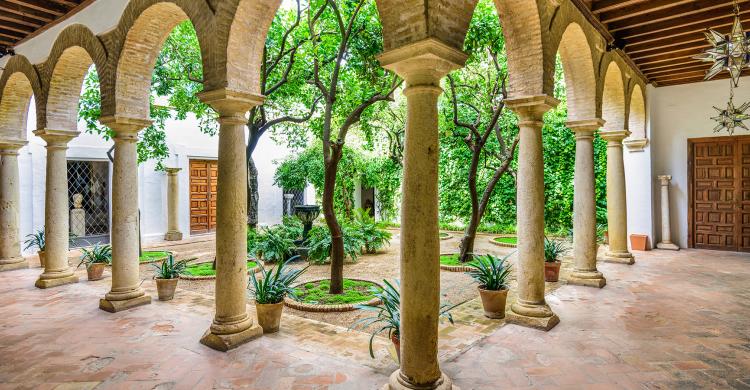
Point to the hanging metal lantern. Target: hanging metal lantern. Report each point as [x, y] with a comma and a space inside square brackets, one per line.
[728, 52]
[732, 117]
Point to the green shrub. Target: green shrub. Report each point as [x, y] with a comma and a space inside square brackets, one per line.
[274, 245]
[491, 272]
[553, 249]
[169, 269]
[320, 243]
[98, 254]
[355, 291]
[274, 285]
[374, 234]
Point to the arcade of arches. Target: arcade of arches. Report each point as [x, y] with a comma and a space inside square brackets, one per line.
[423, 42]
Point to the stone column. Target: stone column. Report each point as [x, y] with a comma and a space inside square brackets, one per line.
[232, 326]
[126, 292]
[173, 208]
[422, 65]
[666, 227]
[56, 226]
[584, 207]
[530, 309]
[617, 212]
[10, 207]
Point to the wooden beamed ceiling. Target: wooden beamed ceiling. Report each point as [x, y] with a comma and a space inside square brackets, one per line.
[660, 37]
[23, 19]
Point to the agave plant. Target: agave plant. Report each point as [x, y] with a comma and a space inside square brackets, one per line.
[491, 272]
[387, 316]
[169, 269]
[35, 240]
[98, 254]
[274, 285]
[553, 249]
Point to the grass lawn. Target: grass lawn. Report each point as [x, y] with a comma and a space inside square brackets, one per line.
[355, 291]
[507, 240]
[149, 256]
[444, 235]
[452, 260]
[204, 269]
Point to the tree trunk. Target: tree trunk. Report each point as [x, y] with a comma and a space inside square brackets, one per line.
[467, 243]
[252, 177]
[337, 238]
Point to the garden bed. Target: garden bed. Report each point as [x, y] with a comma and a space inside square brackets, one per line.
[313, 296]
[445, 236]
[204, 271]
[505, 241]
[449, 262]
[148, 257]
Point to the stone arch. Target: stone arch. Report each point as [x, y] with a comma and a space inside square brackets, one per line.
[580, 78]
[613, 98]
[19, 82]
[72, 55]
[637, 117]
[135, 46]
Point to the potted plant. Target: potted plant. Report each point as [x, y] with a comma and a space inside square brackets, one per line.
[96, 258]
[492, 273]
[388, 316]
[269, 293]
[36, 240]
[553, 250]
[166, 276]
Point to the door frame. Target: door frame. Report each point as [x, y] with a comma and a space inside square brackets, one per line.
[691, 181]
[209, 160]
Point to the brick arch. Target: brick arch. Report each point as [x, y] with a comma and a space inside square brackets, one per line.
[613, 98]
[580, 73]
[637, 117]
[135, 46]
[72, 55]
[19, 82]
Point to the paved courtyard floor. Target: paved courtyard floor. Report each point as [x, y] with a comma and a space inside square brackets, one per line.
[671, 321]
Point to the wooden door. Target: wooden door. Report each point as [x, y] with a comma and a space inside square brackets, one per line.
[720, 193]
[203, 182]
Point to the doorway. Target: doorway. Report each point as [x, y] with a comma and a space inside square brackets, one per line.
[204, 176]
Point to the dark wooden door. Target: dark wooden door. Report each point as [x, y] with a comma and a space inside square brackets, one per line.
[203, 181]
[720, 193]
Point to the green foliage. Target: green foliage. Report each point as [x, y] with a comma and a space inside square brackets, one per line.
[35, 240]
[553, 249]
[207, 269]
[149, 256]
[292, 227]
[375, 235]
[98, 254]
[169, 269]
[451, 260]
[273, 286]
[274, 245]
[320, 243]
[491, 272]
[507, 240]
[355, 291]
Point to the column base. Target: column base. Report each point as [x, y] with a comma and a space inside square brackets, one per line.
[113, 306]
[397, 382]
[587, 279]
[532, 316]
[13, 264]
[226, 342]
[619, 258]
[55, 282]
[668, 246]
[173, 236]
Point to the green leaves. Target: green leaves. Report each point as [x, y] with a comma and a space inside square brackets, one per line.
[274, 245]
[553, 249]
[98, 254]
[273, 286]
[491, 272]
[169, 269]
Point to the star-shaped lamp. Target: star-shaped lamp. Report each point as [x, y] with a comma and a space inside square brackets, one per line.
[729, 52]
[732, 117]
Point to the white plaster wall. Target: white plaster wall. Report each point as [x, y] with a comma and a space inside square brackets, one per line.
[639, 183]
[677, 114]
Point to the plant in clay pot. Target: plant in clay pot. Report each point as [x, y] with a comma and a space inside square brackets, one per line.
[269, 292]
[553, 250]
[96, 258]
[36, 240]
[493, 275]
[387, 318]
[167, 275]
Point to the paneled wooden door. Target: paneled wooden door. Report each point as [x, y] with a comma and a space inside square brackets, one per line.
[203, 184]
[720, 193]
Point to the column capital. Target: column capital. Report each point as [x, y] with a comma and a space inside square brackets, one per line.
[8, 147]
[56, 138]
[172, 171]
[636, 144]
[423, 63]
[664, 179]
[230, 104]
[531, 108]
[125, 128]
[585, 129]
[615, 136]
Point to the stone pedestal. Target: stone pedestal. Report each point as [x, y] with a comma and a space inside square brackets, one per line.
[666, 226]
[173, 202]
[57, 272]
[10, 217]
[232, 326]
[78, 222]
[584, 207]
[126, 291]
[422, 65]
[617, 215]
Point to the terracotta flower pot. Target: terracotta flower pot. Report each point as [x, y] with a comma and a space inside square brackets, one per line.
[638, 242]
[42, 258]
[552, 271]
[165, 288]
[396, 340]
[269, 316]
[606, 237]
[493, 302]
[95, 271]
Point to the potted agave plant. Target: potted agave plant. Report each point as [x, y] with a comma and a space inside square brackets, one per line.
[387, 316]
[269, 292]
[96, 258]
[167, 274]
[36, 240]
[553, 250]
[493, 274]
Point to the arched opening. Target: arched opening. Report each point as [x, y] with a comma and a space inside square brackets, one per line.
[14, 107]
[65, 86]
[578, 70]
[613, 99]
[637, 117]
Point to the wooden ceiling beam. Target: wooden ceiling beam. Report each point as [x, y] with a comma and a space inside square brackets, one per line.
[698, 10]
[639, 9]
[40, 5]
[696, 46]
[44, 17]
[676, 35]
[600, 6]
[667, 64]
[702, 66]
[18, 19]
[688, 24]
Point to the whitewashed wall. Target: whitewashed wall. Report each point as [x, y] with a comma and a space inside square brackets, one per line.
[639, 182]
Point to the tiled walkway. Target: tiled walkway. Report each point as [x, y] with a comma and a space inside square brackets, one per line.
[672, 320]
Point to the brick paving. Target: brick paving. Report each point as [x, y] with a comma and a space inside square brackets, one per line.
[672, 320]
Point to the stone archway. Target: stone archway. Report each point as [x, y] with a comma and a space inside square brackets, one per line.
[637, 117]
[613, 99]
[579, 71]
[19, 82]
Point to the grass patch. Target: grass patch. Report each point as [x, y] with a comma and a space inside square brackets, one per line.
[507, 240]
[204, 269]
[444, 235]
[149, 256]
[452, 260]
[355, 291]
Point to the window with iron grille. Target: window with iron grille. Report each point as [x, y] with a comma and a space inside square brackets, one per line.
[88, 182]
